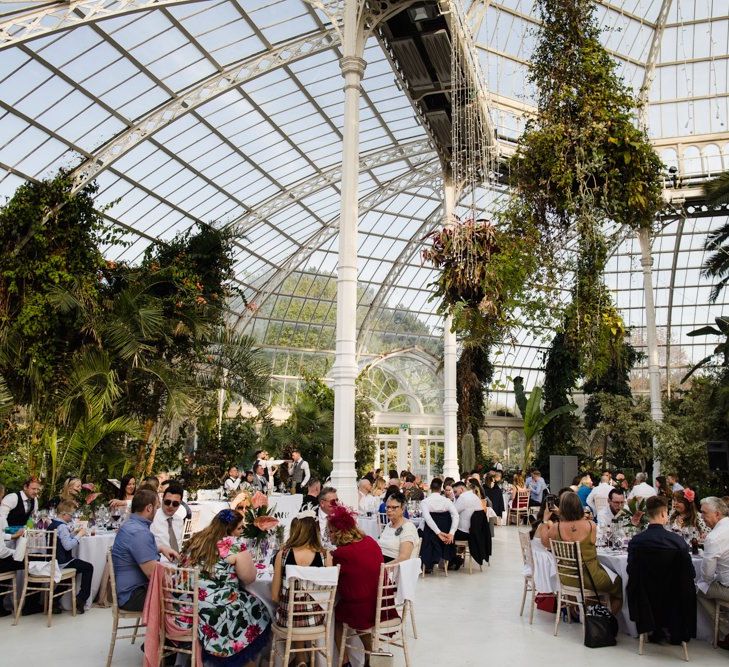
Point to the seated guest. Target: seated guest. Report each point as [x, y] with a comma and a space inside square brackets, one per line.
[169, 519]
[303, 548]
[135, 554]
[327, 502]
[448, 489]
[641, 489]
[441, 522]
[66, 541]
[260, 481]
[311, 499]
[662, 488]
[620, 481]
[616, 502]
[364, 497]
[573, 527]
[602, 490]
[714, 584]
[390, 490]
[234, 623]
[412, 489]
[684, 517]
[16, 508]
[655, 557]
[359, 558]
[233, 480]
[399, 536]
[393, 478]
[584, 489]
[150, 482]
[69, 493]
[517, 484]
[673, 482]
[378, 489]
[125, 494]
[8, 563]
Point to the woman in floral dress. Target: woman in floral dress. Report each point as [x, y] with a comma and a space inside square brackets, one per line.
[234, 624]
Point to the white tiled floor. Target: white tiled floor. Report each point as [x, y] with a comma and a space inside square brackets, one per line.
[462, 620]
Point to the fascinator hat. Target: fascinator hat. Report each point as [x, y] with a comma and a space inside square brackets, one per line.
[342, 519]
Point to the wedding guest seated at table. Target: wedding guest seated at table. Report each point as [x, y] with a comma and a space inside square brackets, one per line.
[584, 489]
[641, 489]
[260, 481]
[684, 517]
[517, 484]
[311, 499]
[135, 553]
[673, 482]
[9, 564]
[66, 541]
[125, 494]
[399, 536]
[365, 502]
[378, 489]
[234, 624]
[16, 508]
[616, 502]
[359, 558]
[547, 516]
[390, 490]
[657, 556]
[303, 548]
[232, 480]
[412, 489]
[169, 519]
[441, 522]
[714, 580]
[602, 490]
[69, 493]
[150, 482]
[327, 502]
[662, 488]
[573, 527]
[393, 478]
[448, 489]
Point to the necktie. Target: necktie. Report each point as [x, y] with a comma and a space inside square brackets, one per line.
[173, 538]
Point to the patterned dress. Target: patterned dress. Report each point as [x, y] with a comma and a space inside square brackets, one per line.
[234, 624]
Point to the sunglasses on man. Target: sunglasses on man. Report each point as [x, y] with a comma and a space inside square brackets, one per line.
[171, 503]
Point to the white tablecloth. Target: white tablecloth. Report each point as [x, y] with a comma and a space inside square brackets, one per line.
[204, 511]
[92, 549]
[545, 569]
[369, 525]
[286, 505]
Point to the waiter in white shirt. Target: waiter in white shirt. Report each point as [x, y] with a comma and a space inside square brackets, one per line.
[169, 520]
[714, 583]
[298, 472]
[641, 489]
[436, 503]
[467, 502]
[602, 490]
[232, 481]
[16, 508]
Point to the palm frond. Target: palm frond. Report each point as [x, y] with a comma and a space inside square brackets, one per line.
[717, 190]
[91, 386]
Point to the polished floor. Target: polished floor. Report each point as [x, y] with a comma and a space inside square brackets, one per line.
[465, 620]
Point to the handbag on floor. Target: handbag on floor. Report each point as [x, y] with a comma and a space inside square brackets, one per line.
[601, 627]
[546, 602]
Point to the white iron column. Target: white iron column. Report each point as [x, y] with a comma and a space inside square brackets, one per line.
[450, 400]
[344, 371]
[654, 373]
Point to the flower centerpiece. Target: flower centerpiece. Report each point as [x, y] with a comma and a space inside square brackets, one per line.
[633, 518]
[89, 500]
[260, 523]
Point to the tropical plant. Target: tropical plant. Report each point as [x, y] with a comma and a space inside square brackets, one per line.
[474, 372]
[534, 418]
[721, 351]
[716, 265]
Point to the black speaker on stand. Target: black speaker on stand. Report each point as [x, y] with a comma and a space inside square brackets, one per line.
[718, 454]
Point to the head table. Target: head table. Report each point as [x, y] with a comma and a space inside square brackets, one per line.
[546, 581]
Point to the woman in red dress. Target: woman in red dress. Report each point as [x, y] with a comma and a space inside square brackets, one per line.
[359, 558]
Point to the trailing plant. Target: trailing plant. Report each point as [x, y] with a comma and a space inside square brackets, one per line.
[474, 372]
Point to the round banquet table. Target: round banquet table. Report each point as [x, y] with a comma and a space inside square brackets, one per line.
[369, 525]
[618, 563]
[203, 512]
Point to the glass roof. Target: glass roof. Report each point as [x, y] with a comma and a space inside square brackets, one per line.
[231, 112]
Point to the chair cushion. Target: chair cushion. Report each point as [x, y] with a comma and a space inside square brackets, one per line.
[317, 630]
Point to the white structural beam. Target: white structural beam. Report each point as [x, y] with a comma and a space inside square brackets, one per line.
[344, 370]
[417, 177]
[415, 152]
[650, 65]
[63, 15]
[208, 89]
[450, 397]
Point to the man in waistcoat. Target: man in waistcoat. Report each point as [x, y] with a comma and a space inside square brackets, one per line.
[16, 508]
[298, 472]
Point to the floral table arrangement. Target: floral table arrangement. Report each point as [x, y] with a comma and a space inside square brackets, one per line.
[260, 526]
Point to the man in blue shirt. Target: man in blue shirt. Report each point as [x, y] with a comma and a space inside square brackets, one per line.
[536, 486]
[66, 542]
[135, 553]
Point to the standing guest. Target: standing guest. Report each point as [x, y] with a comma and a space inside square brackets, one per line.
[655, 556]
[169, 520]
[436, 503]
[399, 536]
[517, 484]
[327, 502]
[311, 499]
[673, 484]
[714, 583]
[260, 482]
[573, 527]
[662, 488]
[232, 480]
[66, 541]
[125, 494]
[299, 472]
[234, 624]
[69, 492]
[641, 489]
[467, 502]
[8, 562]
[393, 478]
[16, 508]
[303, 548]
[364, 489]
[359, 558]
[135, 554]
[685, 518]
[606, 516]
[602, 490]
[537, 486]
[584, 489]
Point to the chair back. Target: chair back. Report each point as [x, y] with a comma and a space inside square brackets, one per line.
[526, 550]
[112, 580]
[383, 518]
[179, 604]
[387, 608]
[416, 548]
[601, 502]
[522, 499]
[310, 604]
[41, 546]
[186, 531]
[569, 565]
